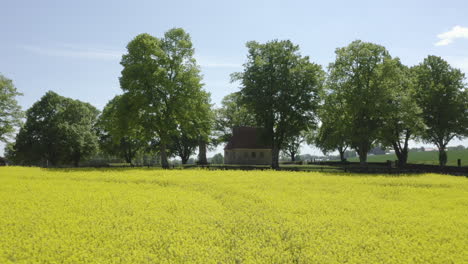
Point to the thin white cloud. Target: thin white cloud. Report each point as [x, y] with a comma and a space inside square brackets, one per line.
[82, 52]
[455, 33]
[70, 51]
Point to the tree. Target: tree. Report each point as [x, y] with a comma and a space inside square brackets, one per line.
[162, 80]
[402, 120]
[10, 111]
[202, 122]
[9, 152]
[281, 88]
[77, 127]
[443, 98]
[291, 146]
[232, 113]
[217, 159]
[184, 145]
[57, 130]
[118, 134]
[358, 78]
[195, 126]
[194, 129]
[333, 132]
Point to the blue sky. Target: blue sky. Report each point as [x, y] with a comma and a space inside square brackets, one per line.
[74, 47]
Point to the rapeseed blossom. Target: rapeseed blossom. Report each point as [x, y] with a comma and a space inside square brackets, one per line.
[201, 216]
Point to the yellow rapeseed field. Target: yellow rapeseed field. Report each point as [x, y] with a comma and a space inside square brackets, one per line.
[200, 216]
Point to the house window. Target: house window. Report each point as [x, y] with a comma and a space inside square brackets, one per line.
[261, 154]
[254, 155]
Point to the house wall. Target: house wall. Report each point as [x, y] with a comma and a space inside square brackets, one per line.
[247, 156]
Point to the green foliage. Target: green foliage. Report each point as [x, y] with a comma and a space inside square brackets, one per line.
[163, 84]
[333, 132]
[443, 98]
[201, 216]
[10, 111]
[292, 146]
[232, 114]
[402, 117]
[57, 130]
[184, 145]
[282, 89]
[217, 159]
[9, 152]
[360, 77]
[118, 133]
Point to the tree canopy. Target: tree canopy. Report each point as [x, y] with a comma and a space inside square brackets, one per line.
[163, 83]
[333, 132]
[118, 133]
[366, 99]
[443, 98]
[402, 116]
[58, 130]
[10, 111]
[282, 88]
[359, 77]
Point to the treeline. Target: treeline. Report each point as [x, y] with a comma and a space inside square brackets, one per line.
[366, 98]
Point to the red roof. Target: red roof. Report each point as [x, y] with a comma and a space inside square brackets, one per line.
[248, 137]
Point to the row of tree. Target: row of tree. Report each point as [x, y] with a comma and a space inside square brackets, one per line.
[366, 98]
[373, 98]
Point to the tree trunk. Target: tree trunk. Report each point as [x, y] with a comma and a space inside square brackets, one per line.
[401, 154]
[442, 156]
[184, 159]
[342, 158]
[275, 157]
[362, 152]
[293, 156]
[363, 159]
[164, 162]
[404, 158]
[128, 158]
[202, 152]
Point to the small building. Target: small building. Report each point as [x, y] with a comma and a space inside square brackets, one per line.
[248, 146]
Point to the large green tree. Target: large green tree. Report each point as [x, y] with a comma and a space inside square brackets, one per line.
[58, 130]
[333, 132]
[358, 77]
[163, 82]
[281, 88]
[10, 111]
[118, 133]
[195, 126]
[402, 116]
[443, 98]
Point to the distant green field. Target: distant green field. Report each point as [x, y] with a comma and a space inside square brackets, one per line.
[428, 157]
